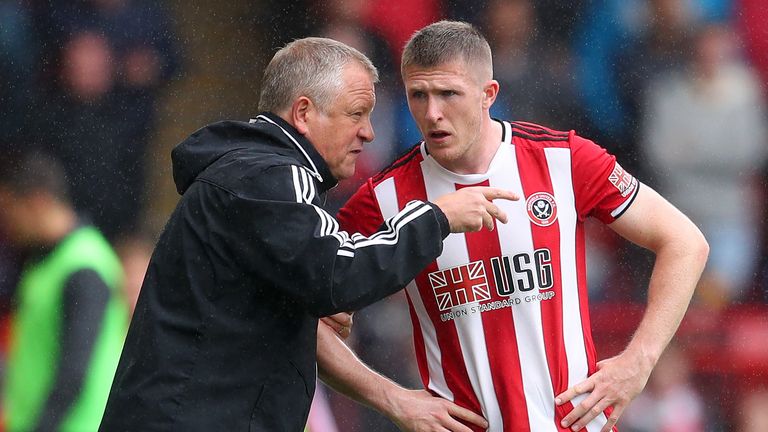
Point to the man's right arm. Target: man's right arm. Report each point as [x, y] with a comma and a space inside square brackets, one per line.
[410, 410]
[281, 235]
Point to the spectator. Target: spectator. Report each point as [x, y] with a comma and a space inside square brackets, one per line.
[705, 138]
[660, 50]
[115, 56]
[609, 29]
[752, 15]
[535, 82]
[18, 61]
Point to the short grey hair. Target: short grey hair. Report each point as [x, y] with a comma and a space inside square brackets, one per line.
[310, 67]
[446, 41]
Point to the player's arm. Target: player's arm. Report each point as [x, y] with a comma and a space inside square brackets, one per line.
[410, 410]
[681, 252]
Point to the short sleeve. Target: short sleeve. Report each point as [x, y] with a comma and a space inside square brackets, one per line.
[603, 188]
[361, 214]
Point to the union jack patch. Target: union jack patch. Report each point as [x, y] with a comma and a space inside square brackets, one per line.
[622, 180]
[460, 285]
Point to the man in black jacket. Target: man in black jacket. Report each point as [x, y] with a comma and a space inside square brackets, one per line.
[223, 336]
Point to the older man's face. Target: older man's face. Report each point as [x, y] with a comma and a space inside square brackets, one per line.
[340, 130]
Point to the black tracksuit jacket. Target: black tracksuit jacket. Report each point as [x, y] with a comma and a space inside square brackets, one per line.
[224, 333]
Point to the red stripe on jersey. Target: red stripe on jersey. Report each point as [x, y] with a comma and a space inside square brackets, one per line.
[534, 176]
[418, 343]
[586, 325]
[411, 187]
[366, 217]
[503, 355]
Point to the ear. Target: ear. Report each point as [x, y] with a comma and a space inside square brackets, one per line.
[301, 114]
[490, 91]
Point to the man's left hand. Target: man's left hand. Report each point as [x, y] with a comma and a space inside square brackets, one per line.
[341, 323]
[616, 383]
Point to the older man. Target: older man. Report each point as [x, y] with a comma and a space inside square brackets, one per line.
[224, 332]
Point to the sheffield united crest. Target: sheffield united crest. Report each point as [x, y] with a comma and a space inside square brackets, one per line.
[542, 209]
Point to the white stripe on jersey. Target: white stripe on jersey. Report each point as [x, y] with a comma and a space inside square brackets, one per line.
[386, 195]
[469, 327]
[529, 332]
[559, 162]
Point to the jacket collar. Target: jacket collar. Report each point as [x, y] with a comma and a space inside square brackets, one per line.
[289, 135]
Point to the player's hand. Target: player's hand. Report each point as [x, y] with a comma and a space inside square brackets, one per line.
[419, 411]
[469, 209]
[616, 383]
[341, 323]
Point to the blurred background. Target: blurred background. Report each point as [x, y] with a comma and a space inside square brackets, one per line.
[674, 88]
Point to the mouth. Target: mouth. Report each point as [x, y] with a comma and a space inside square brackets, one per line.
[438, 135]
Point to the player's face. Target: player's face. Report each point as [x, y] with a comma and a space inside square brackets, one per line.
[339, 131]
[448, 104]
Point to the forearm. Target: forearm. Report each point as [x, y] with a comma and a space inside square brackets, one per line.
[341, 369]
[678, 266]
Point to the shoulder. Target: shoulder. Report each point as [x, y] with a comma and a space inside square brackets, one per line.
[402, 165]
[362, 211]
[533, 135]
[253, 172]
[279, 179]
[87, 248]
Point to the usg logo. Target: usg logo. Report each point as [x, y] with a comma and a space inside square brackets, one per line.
[542, 209]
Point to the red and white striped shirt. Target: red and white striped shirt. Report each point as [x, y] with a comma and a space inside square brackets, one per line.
[500, 319]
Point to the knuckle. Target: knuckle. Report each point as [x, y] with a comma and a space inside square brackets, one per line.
[595, 411]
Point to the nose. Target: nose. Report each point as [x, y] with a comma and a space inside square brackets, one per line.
[366, 132]
[434, 113]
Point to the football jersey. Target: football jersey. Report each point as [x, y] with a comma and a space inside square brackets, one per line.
[500, 319]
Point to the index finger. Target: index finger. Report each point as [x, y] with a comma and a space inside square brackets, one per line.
[580, 388]
[492, 193]
[467, 415]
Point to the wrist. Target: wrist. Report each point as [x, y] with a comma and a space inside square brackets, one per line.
[643, 355]
[442, 219]
[390, 400]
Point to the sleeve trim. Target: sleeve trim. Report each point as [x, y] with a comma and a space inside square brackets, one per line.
[620, 210]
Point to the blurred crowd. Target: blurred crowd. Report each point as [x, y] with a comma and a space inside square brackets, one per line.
[676, 89]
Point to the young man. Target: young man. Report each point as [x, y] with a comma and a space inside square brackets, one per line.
[500, 318]
[224, 332]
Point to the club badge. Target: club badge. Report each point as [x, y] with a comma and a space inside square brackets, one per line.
[542, 209]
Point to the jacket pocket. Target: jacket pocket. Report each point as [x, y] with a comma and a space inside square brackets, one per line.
[283, 402]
